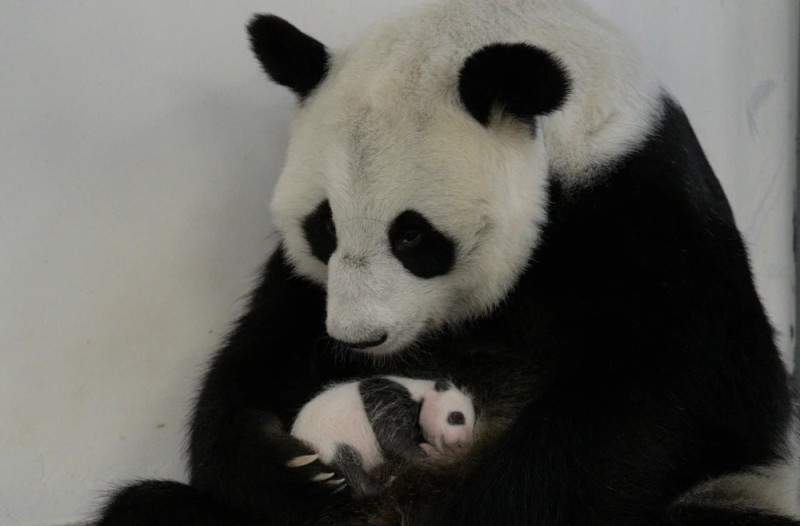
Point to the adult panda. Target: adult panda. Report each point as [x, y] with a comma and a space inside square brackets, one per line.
[499, 192]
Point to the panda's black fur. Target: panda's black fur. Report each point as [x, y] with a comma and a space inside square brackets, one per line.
[631, 362]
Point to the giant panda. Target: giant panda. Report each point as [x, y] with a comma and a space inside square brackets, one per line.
[498, 192]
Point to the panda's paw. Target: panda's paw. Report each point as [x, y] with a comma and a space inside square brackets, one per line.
[429, 450]
[319, 478]
[442, 448]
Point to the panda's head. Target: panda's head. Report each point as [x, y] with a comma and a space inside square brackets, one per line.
[447, 417]
[415, 181]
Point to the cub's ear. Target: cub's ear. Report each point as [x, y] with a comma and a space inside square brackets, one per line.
[290, 57]
[520, 79]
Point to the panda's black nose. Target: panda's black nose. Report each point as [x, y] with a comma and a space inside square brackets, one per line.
[364, 344]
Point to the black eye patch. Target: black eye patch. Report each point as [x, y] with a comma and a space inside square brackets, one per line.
[423, 250]
[320, 231]
[456, 418]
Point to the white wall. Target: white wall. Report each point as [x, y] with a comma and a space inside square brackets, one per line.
[139, 143]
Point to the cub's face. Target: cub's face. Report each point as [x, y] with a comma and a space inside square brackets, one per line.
[401, 194]
[447, 418]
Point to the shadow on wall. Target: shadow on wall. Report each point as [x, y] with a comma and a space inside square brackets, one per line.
[796, 241]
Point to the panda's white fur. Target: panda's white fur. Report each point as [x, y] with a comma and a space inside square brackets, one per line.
[483, 187]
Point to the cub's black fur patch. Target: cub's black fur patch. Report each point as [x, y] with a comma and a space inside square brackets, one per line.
[421, 248]
[320, 232]
[290, 57]
[394, 417]
[521, 79]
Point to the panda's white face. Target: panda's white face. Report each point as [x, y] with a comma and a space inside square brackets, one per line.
[415, 181]
[413, 218]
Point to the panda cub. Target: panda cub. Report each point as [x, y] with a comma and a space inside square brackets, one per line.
[356, 427]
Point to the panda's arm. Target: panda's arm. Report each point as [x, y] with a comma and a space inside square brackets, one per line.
[615, 433]
[240, 450]
[566, 461]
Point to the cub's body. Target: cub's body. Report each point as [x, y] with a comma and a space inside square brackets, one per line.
[356, 427]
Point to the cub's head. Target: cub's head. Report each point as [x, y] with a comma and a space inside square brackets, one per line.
[447, 417]
[414, 184]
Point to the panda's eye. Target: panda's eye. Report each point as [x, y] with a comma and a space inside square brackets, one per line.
[330, 227]
[408, 240]
[419, 246]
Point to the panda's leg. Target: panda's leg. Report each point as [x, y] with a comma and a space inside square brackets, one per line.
[706, 515]
[394, 416]
[743, 498]
[348, 462]
[166, 503]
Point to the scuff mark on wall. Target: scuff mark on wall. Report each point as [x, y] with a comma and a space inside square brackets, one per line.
[756, 100]
[771, 193]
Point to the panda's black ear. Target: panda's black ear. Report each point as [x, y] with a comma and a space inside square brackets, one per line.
[290, 57]
[517, 78]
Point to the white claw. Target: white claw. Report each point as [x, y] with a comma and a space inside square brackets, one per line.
[302, 460]
[321, 477]
[336, 482]
[340, 488]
